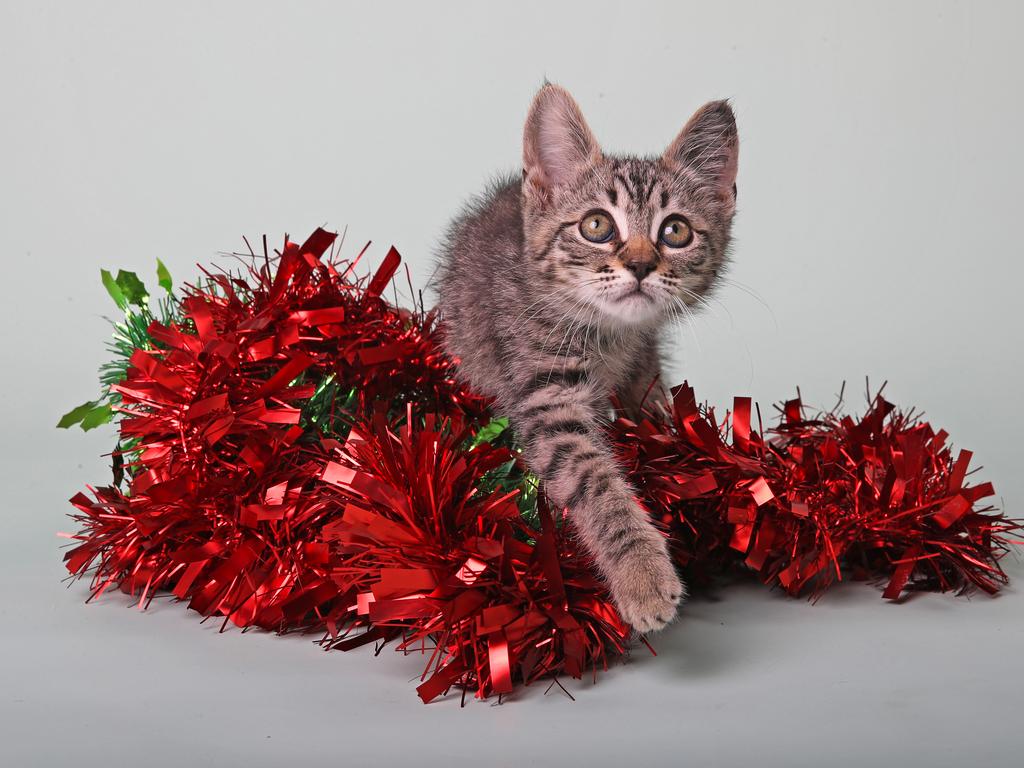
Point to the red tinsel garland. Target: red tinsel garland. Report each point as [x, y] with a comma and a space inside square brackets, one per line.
[238, 505]
[880, 497]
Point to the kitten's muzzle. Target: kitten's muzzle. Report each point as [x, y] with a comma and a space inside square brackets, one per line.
[640, 257]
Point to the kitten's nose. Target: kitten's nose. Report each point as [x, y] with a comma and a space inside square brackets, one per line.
[640, 257]
[640, 268]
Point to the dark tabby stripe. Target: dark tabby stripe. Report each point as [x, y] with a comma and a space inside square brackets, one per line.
[564, 425]
[593, 481]
[536, 410]
[578, 450]
[629, 190]
[554, 239]
[565, 378]
[639, 179]
[620, 543]
[650, 191]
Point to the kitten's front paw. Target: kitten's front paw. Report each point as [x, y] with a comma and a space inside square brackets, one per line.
[646, 589]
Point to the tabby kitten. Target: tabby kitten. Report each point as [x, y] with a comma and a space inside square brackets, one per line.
[554, 288]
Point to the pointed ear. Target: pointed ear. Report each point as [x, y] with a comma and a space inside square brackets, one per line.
[709, 146]
[557, 143]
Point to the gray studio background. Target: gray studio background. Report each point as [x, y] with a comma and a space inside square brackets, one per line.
[878, 235]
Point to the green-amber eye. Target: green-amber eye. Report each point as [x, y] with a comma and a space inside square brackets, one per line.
[676, 232]
[597, 227]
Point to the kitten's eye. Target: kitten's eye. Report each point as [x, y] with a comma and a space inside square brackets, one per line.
[676, 232]
[597, 227]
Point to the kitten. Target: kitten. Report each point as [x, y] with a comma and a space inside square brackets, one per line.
[554, 288]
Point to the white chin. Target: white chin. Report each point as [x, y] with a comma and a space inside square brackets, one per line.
[634, 308]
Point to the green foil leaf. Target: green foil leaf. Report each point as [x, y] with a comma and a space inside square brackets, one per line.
[491, 431]
[163, 276]
[101, 414]
[132, 288]
[75, 415]
[113, 289]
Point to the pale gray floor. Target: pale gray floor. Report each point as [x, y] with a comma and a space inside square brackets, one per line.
[880, 188]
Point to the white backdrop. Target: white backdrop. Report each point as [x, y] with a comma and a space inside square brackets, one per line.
[879, 184]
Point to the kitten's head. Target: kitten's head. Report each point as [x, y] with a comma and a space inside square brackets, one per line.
[634, 238]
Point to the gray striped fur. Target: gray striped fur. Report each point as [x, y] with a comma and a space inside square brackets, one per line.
[551, 324]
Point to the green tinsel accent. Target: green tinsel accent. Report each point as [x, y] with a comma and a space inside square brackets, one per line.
[131, 297]
[329, 411]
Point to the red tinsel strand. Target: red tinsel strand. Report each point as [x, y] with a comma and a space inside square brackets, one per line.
[880, 498]
[249, 512]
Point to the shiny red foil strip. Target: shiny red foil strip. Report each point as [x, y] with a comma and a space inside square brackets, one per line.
[240, 506]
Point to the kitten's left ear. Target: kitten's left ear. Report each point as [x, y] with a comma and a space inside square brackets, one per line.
[557, 143]
[709, 146]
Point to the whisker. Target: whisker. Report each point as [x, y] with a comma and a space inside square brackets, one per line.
[683, 312]
[752, 294]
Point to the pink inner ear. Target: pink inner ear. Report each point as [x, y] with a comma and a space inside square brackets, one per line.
[557, 143]
[562, 154]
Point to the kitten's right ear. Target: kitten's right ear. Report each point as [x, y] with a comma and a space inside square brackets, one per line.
[557, 143]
